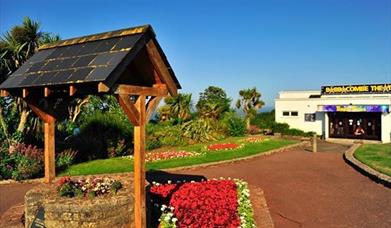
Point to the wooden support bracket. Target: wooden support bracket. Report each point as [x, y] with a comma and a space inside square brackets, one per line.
[129, 108]
[151, 106]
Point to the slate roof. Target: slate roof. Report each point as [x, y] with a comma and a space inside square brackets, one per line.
[87, 59]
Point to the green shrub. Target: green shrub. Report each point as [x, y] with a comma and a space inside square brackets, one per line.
[115, 186]
[65, 158]
[21, 162]
[264, 120]
[284, 128]
[153, 143]
[164, 134]
[280, 128]
[7, 164]
[101, 132]
[233, 124]
[200, 130]
[67, 190]
[118, 150]
[27, 168]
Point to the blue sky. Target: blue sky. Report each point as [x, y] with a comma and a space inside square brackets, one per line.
[273, 45]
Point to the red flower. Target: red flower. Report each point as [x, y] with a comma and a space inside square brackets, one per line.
[63, 180]
[223, 146]
[203, 204]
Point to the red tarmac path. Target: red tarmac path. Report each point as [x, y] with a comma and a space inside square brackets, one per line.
[302, 189]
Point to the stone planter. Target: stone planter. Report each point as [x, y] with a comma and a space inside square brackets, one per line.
[113, 210]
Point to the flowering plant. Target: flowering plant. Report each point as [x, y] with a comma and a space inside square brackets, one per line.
[166, 155]
[224, 146]
[252, 140]
[157, 156]
[89, 186]
[212, 203]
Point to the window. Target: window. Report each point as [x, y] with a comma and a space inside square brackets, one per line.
[285, 113]
[294, 113]
[309, 117]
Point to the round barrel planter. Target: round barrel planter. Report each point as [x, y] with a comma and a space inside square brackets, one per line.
[43, 205]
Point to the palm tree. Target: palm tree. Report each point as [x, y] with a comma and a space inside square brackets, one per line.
[16, 46]
[177, 107]
[250, 101]
[211, 110]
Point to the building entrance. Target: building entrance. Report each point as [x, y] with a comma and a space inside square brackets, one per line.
[355, 125]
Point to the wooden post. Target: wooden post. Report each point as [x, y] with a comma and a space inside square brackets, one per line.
[139, 166]
[49, 131]
[314, 146]
[50, 169]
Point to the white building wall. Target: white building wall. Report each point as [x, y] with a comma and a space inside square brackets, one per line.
[386, 127]
[302, 106]
[299, 101]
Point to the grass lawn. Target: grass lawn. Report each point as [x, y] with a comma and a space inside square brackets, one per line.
[377, 156]
[118, 165]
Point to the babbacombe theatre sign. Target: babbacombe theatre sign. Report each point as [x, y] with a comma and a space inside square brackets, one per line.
[356, 89]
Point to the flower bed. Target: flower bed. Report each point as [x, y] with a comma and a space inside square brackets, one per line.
[224, 146]
[105, 210]
[87, 187]
[165, 155]
[212, 203]
[253, 140]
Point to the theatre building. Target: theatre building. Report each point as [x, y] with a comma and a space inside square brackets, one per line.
[346, 111]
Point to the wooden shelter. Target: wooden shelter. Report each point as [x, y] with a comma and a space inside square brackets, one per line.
[127, 63]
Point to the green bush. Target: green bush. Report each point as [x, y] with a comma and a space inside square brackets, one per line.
[280, 128]
[201, 130]
[153, 143]
[67, 190]
[284, 128]
[101, 132]
[298, 132]
[65, 158]
[264, 120]
[233, 124]
[164, 134]
[7, 164]
[21, 162]
[27, 168]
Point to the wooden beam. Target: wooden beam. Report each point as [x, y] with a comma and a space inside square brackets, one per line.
[103, 88]
[129, 108]
[46, 92]
[25, 93]
[156, 91]
[72, 90]
[157, 78]
[151, 106]
[44, 116]
[139, 166]
[4, 93]
[161, 67]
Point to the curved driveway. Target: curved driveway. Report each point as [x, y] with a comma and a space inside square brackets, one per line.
[303, 189]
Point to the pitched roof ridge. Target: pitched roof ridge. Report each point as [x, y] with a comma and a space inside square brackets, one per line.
[99, 36]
